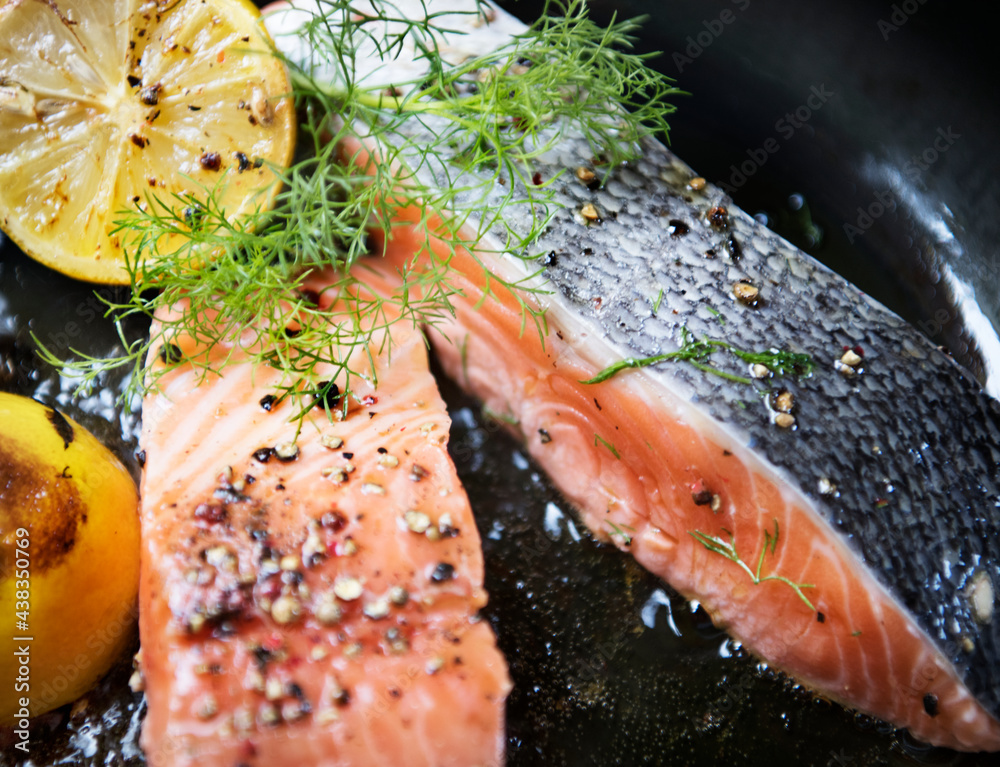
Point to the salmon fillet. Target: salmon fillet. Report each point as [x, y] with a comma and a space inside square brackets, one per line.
[312, 600]
[841, 525]
[645, 477]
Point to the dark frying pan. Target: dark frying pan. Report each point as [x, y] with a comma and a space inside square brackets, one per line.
[890, 179]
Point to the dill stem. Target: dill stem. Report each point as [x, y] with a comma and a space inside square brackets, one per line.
[405, 105]
[728, 550]
[721, 373]
[482, 121]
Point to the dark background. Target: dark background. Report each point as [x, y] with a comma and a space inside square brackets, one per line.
[893, 90]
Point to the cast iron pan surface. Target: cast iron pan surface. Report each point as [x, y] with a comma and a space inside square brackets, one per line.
[610, 666]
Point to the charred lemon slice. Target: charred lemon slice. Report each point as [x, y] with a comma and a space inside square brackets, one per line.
[69, 558]
[106, 103]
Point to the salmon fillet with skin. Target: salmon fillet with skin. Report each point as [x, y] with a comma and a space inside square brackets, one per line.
[312, 602]
[841, 525]
[644, 478]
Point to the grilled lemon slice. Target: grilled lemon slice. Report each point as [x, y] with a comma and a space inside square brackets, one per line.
[106, 103]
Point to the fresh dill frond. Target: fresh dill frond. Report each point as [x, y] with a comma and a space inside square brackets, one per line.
[619, 530]
[598, 439]
[727, 549]
[464, 353]
[656, 304]
[691, 350]
[431, 150]
[778, 361]
[506, 418]
[698, 351]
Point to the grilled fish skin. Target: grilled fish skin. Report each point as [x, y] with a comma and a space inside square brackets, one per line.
[885, 483]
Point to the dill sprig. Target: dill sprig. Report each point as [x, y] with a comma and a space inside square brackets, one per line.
[438, 146]
[697, 352]
[727, 549]
[620, 531]
[599, 440]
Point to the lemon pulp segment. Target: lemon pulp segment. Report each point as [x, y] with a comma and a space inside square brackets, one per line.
[105, 102]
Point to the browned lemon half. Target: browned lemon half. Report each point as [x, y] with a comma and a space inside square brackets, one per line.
[69, 558]
[104, 103]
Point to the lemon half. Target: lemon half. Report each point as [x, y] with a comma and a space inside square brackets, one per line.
[106, 102]
[69, 558]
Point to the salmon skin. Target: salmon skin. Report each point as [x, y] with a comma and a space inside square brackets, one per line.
[312, 600]
[842, 524]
